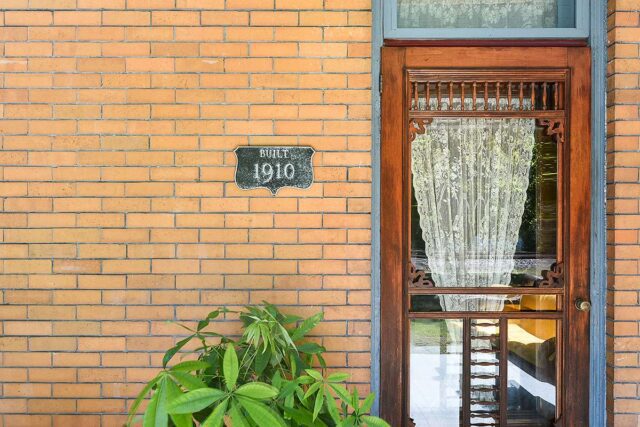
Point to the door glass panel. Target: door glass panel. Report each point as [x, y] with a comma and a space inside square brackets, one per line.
[486, 13]
[532, 378]
[471, 302]
[436, 372]
[484, 215]
[484, 203]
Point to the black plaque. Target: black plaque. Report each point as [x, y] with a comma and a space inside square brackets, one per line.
[274, 167]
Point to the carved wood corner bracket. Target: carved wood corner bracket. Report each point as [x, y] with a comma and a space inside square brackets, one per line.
[554, 128]
[417, 127]
[418, 278]
[553, 278]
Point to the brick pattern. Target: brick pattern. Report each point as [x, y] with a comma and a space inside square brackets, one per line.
[119, 210]
[623, 214]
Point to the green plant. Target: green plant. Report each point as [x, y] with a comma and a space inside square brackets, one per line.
[265, 378]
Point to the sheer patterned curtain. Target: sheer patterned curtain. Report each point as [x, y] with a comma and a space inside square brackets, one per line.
[477, 13]
[470, 178]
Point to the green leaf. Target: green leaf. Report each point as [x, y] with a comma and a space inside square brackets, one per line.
[149, 419]
[290, 318]
[217, 415]
[173, 350]
[350, 421]
[190, 382]
[331, 406]
[337, 377]
[323, 364]
[311, 390]
[367, 404]
[265, 333]
[156, 413]
[311, 348]
[342, 392]
[260, 413]
[257, 390]
[375, 421]
[249, 334]
[190, 365]
[288, 388]
[305, 379]
[173, 392]
[314, 374]
[237, 418]
[230, 367]
[195, 400]
[355, 399]
[318, 404]
[262, 360]
[295, 361]
[136, 403]
[306, 326]
[303, 417]
[205, 322]
[277, 380]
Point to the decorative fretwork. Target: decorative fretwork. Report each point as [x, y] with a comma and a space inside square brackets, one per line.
[418, 278]
[554, 128]
[417, 127]
[553, 278]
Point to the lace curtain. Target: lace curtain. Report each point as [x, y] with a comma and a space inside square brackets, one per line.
[470, 179]
[477, 13]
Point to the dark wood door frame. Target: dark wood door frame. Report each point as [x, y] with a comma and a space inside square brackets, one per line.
[395, 205]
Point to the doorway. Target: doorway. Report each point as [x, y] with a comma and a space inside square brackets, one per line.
[485, 187]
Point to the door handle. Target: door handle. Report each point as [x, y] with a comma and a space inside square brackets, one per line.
[582, 304]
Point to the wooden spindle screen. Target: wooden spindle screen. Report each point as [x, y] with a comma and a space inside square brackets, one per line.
[503, 93]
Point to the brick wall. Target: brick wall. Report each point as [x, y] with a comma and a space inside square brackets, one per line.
[119, 210]
[623, 207]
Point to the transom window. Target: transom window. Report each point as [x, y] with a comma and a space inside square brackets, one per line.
[443, 19]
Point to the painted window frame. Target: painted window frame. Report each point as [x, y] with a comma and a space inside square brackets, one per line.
[391, 30]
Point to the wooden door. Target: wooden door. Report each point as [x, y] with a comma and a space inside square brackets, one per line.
[475, 332]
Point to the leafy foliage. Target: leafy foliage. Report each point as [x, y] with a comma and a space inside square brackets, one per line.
[265, 378]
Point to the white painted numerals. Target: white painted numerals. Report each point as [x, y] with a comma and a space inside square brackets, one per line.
[266, 172]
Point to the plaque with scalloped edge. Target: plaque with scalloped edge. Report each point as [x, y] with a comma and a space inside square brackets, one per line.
[274, 167]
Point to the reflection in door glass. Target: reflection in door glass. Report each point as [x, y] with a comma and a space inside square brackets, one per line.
[436, 372]
[532, 372]
[471, 302]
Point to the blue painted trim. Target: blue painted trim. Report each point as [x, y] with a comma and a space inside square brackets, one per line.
[391, 29]
[598, 343]
[376, 44]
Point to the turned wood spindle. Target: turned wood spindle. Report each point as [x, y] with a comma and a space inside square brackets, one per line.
[439, 96]
[521, 97]
[475, 107]
[416, 100]
[560, 95]
[509, 96]
[555, 95]
[462, 96]
[544, 95]
[486, 95]
[428, 95]
[497, 96]
[450, 95]
[533, 95]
